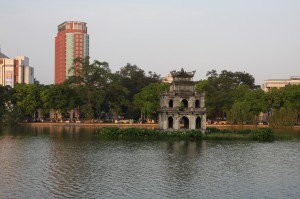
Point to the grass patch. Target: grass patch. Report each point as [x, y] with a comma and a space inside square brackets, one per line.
[227, 136]
[285, 134]
[260, 134]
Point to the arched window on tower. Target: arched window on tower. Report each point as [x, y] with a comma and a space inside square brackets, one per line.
[198, 123]
[170, 122]
[197, 104]
[184, 123]
[171, 103]
[184, 103]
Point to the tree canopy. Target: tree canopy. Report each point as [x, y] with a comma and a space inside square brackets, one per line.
[99, 93]
[148, 100]
[221, 89]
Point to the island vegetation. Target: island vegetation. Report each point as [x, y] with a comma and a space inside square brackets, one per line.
[131, 93]
[115, 133]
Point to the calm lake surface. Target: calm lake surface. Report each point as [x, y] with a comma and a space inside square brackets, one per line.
[69, 162]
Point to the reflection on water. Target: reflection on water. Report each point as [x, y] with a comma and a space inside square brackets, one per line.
[68, 162]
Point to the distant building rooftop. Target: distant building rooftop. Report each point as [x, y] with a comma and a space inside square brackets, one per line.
[292, 78]
[279, 83]
[2, 55]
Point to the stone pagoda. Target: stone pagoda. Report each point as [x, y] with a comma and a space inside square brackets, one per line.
[182, 107]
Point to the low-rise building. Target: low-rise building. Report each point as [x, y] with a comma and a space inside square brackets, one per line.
[279, 83]
[15, 70]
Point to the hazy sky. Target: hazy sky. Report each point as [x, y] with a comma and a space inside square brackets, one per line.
[261, 37]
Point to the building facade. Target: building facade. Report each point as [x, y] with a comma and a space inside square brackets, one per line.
[279, 83]
[182, 107]
[72, 41]
[15, 70]
[167, 79]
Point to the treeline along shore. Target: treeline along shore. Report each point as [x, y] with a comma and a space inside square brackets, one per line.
[97, 93]
[138, 125]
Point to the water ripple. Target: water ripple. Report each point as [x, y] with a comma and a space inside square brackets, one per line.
[59, 167]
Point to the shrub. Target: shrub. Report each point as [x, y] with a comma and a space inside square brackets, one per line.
[263, 134]
[110, 132]
[141, 133]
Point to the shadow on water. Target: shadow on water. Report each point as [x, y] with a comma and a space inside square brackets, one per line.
[56, 132]
[287, 133]
[72, 162]
[85, 133]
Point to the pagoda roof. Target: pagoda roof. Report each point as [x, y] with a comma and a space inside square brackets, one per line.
[182, 73]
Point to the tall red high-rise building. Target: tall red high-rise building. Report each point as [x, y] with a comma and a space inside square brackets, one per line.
[71, 41]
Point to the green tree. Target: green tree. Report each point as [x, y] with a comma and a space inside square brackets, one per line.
[28, 99]
[3, 100]
[248, 105]
[293, 99]
[91, 78]
[257, 100]
[275, 98]
[240, 113]
[73, 97]
[222, 90]
[284, 104]
[134, 80]
[117, 95]
[202, 85]
[7, 105]
[148, 100]
[54, 97]
[284, 116]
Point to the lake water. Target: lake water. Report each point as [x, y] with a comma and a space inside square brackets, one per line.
[74, 163]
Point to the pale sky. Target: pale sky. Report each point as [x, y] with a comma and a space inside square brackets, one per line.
[261, 37]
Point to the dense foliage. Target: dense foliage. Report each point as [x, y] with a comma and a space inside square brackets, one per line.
[223, 89]
[232, 96]
[148, 100]
[259, 134]
[263, 134]
[147, 134]
[96, 93]
[134, 80]
[115, 133]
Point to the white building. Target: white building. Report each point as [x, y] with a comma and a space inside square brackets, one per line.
[15, 70]
[279, 83]
[168, 79]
